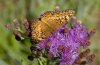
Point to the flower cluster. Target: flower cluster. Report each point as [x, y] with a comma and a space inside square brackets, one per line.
[16, 33]
[64, 47]
[67, 42]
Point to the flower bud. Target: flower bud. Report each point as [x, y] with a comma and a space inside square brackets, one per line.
[73, 21]
[56, 8]
[88, 50]
[9, 27]
[90, 61]
[92, 32]
[26, 26]
[88, 43]
[48, 44]
[41, 46]
[49, 55]
[31, 58]
[91, 57]
[16, 22]
[32, 48]
[77, 49]
[17, 38]
[39, 54]
[87, 37]
[15, 33]
[32, 19]
[79, 22]
[24, 21]
[60, 48]
[84, 54]
[83, 63]
[78, 61]
[66, 30]
[27, 33]
[80, 56]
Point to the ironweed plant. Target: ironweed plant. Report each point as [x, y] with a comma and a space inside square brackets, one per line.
[69, 45]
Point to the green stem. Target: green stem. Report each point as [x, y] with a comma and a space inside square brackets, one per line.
[40, 61]
[20, 30]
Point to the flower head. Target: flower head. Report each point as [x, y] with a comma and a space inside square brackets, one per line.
[65, 44]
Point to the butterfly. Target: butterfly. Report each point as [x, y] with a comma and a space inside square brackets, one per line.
[49, 21]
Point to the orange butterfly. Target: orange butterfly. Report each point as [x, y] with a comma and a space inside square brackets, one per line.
[41, 29]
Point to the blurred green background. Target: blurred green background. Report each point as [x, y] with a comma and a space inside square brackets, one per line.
[12, 51]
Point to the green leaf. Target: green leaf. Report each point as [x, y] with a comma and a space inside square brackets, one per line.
[44, 60]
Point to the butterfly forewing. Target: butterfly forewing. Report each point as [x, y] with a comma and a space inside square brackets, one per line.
[57, 19]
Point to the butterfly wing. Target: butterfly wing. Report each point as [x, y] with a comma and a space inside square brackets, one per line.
[49, 22]
[40, 31]
[57, 19]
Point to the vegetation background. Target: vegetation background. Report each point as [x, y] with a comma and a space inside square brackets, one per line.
[13, 52]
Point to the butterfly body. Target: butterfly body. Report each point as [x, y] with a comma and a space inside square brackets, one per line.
[41, 29]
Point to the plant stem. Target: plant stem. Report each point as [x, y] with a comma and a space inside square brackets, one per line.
[40, 61]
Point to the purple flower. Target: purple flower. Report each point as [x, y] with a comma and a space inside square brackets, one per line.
[71, 42]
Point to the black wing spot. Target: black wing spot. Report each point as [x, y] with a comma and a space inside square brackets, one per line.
[40, 19]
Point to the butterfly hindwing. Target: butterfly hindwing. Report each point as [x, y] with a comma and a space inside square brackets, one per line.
[40, 31]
